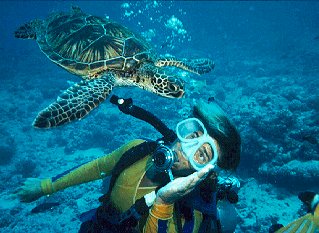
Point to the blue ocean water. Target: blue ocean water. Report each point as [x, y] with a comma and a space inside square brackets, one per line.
[266, 58]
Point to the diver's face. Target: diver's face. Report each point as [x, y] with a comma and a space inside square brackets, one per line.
[182, 166]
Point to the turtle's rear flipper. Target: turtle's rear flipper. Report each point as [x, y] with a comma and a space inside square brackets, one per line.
[76, 102]
[28, 30]
[197, 66]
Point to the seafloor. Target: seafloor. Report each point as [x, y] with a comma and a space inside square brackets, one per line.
[266, 79]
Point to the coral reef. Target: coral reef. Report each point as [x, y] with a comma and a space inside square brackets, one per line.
[26, 167]
[293, 173]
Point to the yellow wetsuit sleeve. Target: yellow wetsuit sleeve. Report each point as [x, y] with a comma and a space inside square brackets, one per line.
[158, 219]
[96, 169]
[316, 216]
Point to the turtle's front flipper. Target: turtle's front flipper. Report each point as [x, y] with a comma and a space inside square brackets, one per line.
[197, 66]
[76, 102]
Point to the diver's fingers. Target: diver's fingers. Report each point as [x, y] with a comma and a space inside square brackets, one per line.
[29, 191]
[194, 179]
[190, 182]
[202, 174]
[18, 194]
[31, 181]
[26, 197]
[25, 185]
[181, 186]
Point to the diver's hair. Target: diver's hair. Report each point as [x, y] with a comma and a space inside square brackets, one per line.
[222, 130]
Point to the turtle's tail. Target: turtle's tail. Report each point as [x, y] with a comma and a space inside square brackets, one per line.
[28, 30]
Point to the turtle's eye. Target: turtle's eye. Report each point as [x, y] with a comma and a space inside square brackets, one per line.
[173, 87]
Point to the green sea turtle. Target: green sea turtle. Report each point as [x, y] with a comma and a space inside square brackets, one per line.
[105, 54]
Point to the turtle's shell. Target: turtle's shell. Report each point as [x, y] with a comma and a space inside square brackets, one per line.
[87, 45]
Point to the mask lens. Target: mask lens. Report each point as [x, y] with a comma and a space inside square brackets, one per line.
[204, 154]
[189, 129]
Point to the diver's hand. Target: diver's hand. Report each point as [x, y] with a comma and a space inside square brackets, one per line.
[30, 190]
[179, 187]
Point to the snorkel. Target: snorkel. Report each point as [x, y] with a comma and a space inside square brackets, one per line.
[163, 157]
[126, 106]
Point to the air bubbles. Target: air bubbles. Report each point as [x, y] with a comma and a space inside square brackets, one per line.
[155, 4]
[125, 5]
[175, 24]
[163, 16]
[149, 34]
[128, 13]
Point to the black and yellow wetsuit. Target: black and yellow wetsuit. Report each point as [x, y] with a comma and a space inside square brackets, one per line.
[126, 190]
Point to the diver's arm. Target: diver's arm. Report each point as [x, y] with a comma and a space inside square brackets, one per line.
[96, 169]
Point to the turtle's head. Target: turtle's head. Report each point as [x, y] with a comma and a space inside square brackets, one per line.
[155, 80]
[167, 86]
